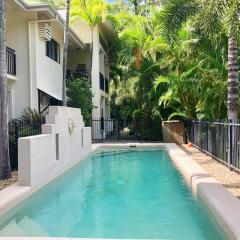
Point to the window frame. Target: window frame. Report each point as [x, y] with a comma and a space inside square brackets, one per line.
[53, 50]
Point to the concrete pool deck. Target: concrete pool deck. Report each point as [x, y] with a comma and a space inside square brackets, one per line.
[220, 202]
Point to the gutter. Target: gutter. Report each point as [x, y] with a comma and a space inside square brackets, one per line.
[35, 7]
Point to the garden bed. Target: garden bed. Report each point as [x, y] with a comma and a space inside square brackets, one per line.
[7, 182]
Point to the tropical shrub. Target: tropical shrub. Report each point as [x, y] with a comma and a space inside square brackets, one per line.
[79, 95]
[31, 116]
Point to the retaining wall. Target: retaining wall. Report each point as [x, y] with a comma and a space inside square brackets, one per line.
[64, 140]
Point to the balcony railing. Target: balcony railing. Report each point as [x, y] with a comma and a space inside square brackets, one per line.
[81, 74]
[101, 79]
[11, 61]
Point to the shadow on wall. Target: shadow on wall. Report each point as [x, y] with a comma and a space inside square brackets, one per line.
[173, 132]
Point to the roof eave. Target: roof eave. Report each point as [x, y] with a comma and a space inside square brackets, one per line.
[53, 12]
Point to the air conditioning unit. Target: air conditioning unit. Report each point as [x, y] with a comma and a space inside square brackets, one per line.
[45, 31]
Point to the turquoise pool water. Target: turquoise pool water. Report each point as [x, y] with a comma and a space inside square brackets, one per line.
[114, 194]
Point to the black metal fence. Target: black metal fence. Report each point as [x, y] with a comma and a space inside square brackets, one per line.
[123, 129]
[218, 139]
[19, 129]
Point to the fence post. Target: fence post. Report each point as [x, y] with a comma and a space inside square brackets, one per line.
[206, 136]
[230, 144]
[193, 132]
[16, 131]
[102, 128]
[118, 128]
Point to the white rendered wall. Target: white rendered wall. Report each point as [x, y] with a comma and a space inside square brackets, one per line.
[41, 158]
[48, 72]
[79, 56]
[17, 39]
[82, 30]
[34, 68]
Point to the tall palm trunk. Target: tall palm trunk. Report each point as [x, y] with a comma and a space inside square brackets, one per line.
[91, 54]
[5, 169]
[135, 7]
[65, 52]
[232, 78]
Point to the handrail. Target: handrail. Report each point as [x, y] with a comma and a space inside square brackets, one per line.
[82, 74]
[217, 123]
[42, 111]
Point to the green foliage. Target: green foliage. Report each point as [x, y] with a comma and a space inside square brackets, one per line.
[80, 96]
[211, 16]
[183, 70]
[175, 13]
[31, 116]
[92, 12]
[182, 51]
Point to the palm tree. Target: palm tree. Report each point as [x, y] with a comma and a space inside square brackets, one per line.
[66, 33]
[5, 169]
[92, 12]
[212, 17]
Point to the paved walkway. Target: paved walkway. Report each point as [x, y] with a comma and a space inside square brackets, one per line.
[230, 179]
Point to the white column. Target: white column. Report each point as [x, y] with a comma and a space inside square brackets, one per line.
[32, 31]
[95, 76]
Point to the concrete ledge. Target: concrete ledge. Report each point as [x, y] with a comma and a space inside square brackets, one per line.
[222, 204]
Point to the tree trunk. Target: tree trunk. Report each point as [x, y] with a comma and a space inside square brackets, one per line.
[135, 7]
[65, 52]
[91, 54]
[5, 169]
[232, 79]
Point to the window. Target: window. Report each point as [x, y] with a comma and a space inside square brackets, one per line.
[53, 50]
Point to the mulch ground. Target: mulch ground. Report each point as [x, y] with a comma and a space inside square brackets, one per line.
[7, 182]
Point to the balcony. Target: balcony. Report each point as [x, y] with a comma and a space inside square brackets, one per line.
[11, 61]
[81, 74]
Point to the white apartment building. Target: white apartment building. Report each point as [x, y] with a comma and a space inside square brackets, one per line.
[79, 61]
[35, 34]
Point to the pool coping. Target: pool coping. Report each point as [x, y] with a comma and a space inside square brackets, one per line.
[205, 187]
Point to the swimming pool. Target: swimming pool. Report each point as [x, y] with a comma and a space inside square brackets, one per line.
[122, 193]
